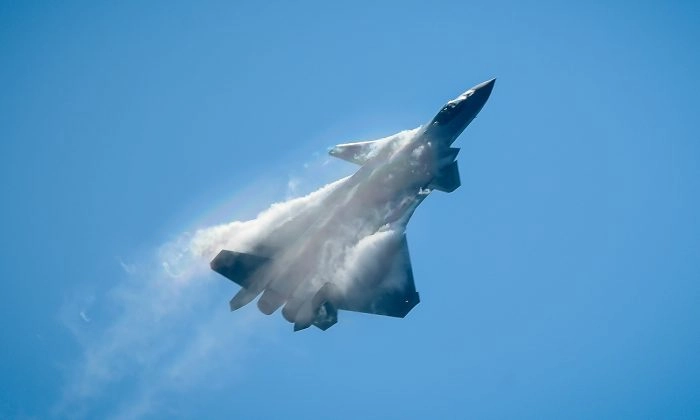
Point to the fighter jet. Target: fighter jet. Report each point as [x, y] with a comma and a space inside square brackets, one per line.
[305, 265]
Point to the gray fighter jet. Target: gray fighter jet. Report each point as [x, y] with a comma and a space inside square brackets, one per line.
[297, 267]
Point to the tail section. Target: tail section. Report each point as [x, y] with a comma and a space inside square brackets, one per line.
[237, 266]
[240, 268]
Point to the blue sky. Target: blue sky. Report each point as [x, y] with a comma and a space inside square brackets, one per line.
[562, 280]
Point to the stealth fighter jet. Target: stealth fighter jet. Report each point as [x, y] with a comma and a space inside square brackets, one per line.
[312, 266]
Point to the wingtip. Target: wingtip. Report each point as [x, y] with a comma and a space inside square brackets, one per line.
[299, 327]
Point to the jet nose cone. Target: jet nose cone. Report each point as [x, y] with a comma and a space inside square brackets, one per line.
[486, 86]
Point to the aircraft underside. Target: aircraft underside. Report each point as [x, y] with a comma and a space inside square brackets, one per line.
[347, 249]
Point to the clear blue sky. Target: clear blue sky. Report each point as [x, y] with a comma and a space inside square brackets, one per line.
[562, 280]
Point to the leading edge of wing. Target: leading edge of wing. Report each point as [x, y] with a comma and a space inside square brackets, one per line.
[361, 152]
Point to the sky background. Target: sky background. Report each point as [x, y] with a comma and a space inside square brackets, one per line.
[562, 280]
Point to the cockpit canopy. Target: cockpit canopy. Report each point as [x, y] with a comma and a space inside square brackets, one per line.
[451, 109]
[461, 97]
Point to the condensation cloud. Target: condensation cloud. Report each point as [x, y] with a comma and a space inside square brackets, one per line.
[155, 327]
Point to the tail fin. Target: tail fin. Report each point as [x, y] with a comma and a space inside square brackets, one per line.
[237, 266]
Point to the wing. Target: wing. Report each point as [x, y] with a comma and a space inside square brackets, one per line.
[392, 294]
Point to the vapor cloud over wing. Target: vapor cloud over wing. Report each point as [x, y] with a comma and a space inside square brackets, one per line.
[165, 327]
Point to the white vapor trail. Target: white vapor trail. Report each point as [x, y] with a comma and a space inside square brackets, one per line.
[167, 325]
[166, 328]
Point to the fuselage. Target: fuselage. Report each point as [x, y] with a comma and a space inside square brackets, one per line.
[310, 250]
[385, 191]
[409, 170]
